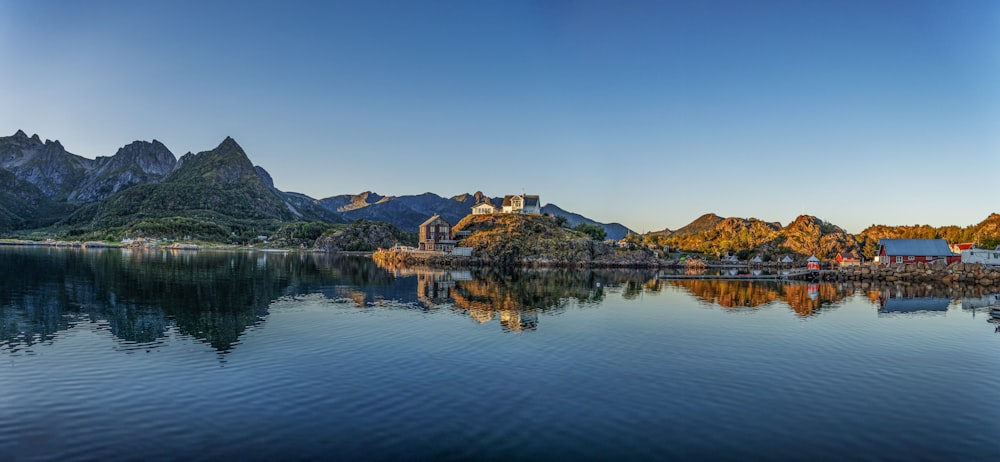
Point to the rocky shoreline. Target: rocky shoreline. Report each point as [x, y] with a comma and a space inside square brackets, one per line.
[957, 273]
[106, 245]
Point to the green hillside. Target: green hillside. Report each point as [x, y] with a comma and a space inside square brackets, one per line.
[220, 188]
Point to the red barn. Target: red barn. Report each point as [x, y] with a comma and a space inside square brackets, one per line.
[915, 251]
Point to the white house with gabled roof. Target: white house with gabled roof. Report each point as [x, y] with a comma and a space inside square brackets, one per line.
[522, 203]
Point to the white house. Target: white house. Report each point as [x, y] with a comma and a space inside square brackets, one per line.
[484, 208]
[522, 203]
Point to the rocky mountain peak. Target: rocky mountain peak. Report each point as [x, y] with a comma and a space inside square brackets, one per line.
[135, 163]
[151, 157]
[227, 164]
[229, 144]
[20, 140]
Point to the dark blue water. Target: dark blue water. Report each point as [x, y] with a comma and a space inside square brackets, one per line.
[111, 355]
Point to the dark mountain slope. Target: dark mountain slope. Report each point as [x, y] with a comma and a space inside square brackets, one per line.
[220, 185]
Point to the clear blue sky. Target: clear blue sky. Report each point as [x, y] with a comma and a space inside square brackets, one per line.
[644, 113]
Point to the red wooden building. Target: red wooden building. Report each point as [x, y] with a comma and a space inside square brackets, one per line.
[847, 259]
[915, 251]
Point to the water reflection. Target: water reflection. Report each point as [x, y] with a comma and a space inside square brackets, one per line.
[143, 297]
[803, 299]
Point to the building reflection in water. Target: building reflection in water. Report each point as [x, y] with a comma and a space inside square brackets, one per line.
[513, 298]
[144, 296]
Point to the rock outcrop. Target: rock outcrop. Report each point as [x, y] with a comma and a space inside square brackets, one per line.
[362, 235]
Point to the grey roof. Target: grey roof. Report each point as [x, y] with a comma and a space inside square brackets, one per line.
[528, 200]
[916, 247]
[812, 258]
[484, 203]
[910, 305]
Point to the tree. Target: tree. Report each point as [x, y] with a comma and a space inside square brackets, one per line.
[562, 221]
[595, 232]
[988, 242]
[633, 241]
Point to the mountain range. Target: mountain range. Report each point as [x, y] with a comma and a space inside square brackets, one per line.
[206, 194]
[221, 195]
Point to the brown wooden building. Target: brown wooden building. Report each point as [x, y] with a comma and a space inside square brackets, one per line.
[435, 235]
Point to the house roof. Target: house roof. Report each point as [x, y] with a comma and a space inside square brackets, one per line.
[910, 305]
[787, 259]
[485, 203]
[432, 219]
[812, 258]
[915, 247]
[529, 200]
[847, 256]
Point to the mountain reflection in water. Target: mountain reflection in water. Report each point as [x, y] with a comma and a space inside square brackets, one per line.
[143, 296]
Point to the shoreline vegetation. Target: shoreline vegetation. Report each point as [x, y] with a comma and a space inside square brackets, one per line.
[533, 241]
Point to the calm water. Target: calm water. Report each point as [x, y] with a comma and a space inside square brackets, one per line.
[157, 355]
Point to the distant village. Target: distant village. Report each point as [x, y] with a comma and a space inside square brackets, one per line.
[436, 236]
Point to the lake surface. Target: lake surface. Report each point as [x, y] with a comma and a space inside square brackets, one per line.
[168, 355]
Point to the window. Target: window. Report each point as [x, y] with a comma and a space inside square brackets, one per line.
[910, 258]
[899, 259]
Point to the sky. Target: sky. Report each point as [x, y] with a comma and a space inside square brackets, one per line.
[645, 113]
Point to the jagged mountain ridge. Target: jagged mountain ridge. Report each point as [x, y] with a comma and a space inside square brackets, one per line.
[63, 176]
[217, 185]
[407, 212]
[47, 165]
[46, 184]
